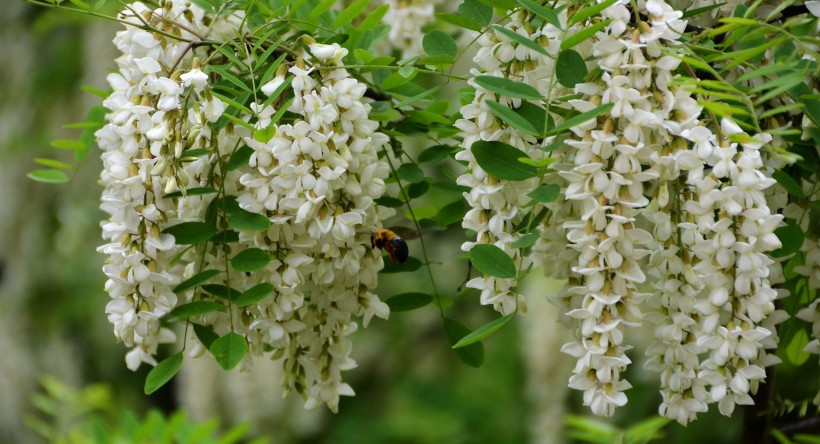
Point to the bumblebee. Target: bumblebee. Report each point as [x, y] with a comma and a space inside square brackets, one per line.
[390, 242]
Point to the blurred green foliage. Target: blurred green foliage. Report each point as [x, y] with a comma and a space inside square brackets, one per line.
[92, 415]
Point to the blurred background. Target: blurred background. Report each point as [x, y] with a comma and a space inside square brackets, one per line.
[62, 373]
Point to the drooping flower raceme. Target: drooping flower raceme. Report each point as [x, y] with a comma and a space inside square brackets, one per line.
[170, 170]
[317, 179]
[406, 19]
[496, 206]
[142, 143]
[649, 162]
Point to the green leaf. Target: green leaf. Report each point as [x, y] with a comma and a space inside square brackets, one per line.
[794, 350]
[545, 193]
[390, 202]
[477, 12]
[412, 264]
[521, 40]
[80, 4]
[408, 301]
[500, 160]
[427, 117]
[374, 18]
[362, 55]
[245, 220]
[589, 11]
[195, 153]
[534, 114]
[162, 373]
[66, 144]
[53, 163]
[418, 189]
[230, 54]
[238, 121]
[791, 236]
[101, 93]
[473, 354]
[504, 5]
[438, 42]
[193, 281]
[275, 119]
[205, 335]
[204, 4]
[222, 291]
[767, 70]
[697, 11]
[646, 430]
[410, 173]
[241, 156]
[269, 73]
[48, 176]
[251, 259]
[395, 80]
[435, 153]
[437, 60]
[229, 350]
[417, 97]
[227, 75]
[546, 13]
[583, 34]
[570, 68]
[191, 232]
[254, 294]
[580, 118]
[81, 125]
[483, 331]
[198, 191]
[225, 237]
[195, 308]
[786, 181]
[234, 104]
[526, 240]
[492, 261]
[227, 205]
[540, 163]
[507, 87]
[451, 213]
[460, 21]
[512, 118]
[320, 9]
[781, 84]
[351, 12]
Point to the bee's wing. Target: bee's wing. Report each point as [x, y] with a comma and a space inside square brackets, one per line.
[405, 233]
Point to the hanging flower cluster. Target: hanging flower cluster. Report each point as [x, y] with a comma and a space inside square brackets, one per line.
[645, 186]
[292, 288]
[496, 206]
[317, 179]
[146, 132]
[406, 19]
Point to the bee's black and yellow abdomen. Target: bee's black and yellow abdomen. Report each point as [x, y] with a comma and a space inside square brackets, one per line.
[388, 241]
[399, 251]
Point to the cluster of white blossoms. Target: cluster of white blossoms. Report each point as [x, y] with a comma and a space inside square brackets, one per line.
[811, 264]
[142, 142]
[315, 179]
[650, 163]
[406, 19]
[616, 159]
[497, 206]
